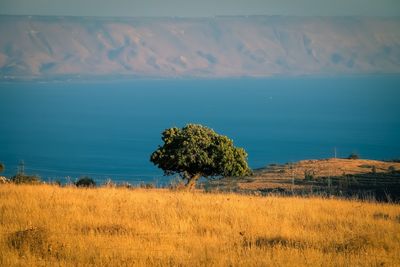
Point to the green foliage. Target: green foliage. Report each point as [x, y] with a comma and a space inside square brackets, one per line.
[197, 151]
[25, 179]
[353, 156]
[85, 182]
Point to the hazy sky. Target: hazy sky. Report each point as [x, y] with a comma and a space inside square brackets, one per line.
[200, 8]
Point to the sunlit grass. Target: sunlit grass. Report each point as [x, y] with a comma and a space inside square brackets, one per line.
[49, 225]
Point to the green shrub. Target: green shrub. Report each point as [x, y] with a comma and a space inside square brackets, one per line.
[353, 156]
[85, 182]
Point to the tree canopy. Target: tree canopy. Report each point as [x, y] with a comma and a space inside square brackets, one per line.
[196, 151]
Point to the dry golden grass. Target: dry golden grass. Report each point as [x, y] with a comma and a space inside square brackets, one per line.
[51, 226]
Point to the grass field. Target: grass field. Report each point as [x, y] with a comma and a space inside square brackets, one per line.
[47, 225]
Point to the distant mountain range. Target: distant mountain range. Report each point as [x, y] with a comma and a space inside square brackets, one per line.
[36, 47]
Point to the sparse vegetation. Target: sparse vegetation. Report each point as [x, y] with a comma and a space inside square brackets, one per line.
[25, 179]
[109, 183]
[309, 175]
[373, 169]
[392, 169]
[152, 227]
[147, 185]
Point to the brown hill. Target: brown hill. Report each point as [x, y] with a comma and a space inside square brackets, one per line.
[347, 177]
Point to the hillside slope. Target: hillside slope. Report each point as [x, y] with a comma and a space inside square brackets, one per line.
[77, 47]
[343, 177]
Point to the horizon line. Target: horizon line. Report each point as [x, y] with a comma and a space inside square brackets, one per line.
[201, 17]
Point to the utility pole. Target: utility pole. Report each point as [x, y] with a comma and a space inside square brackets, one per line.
[21, 167]
[292, 173]
[329, 180]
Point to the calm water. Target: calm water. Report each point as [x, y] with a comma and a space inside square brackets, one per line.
[110, 129]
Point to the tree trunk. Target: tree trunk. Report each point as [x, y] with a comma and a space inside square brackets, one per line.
[191, 183]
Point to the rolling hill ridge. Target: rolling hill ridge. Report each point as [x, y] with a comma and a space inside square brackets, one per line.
[36, 47]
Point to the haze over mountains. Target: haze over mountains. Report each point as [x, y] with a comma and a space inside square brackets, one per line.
[34, 47]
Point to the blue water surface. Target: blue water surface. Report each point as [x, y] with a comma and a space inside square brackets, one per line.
[109, 129]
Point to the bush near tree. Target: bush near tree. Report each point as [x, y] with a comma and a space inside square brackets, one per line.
[85, 182]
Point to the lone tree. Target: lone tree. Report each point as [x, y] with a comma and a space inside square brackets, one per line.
[197, 151]
[2, 167]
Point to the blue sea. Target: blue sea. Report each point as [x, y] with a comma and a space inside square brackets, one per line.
[64, 130]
